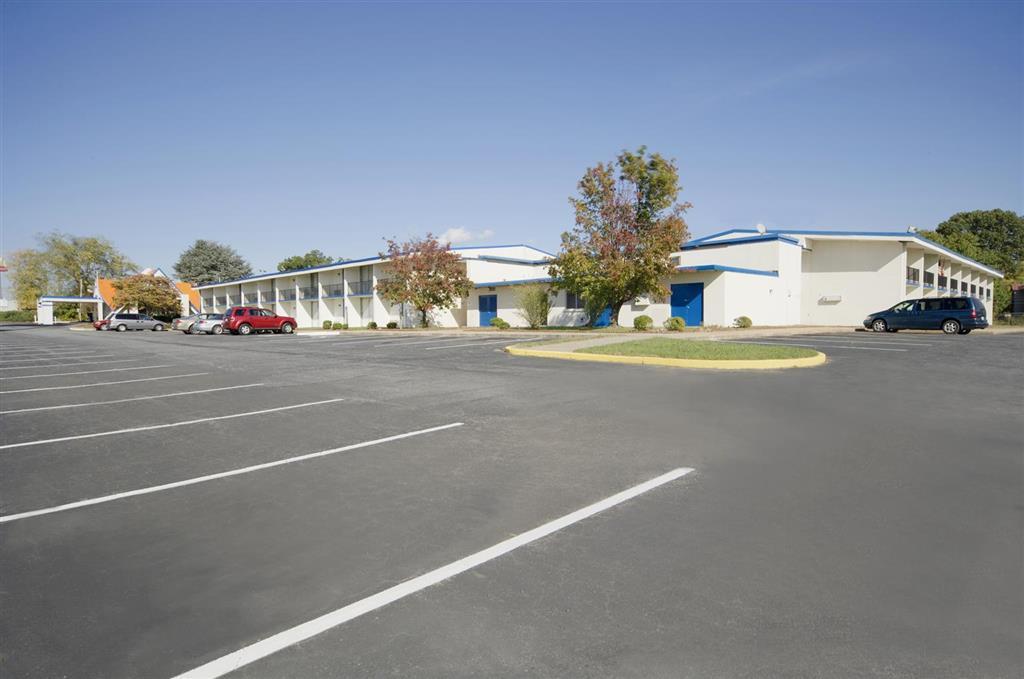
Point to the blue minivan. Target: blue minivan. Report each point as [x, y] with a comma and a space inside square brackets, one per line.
[951, 315]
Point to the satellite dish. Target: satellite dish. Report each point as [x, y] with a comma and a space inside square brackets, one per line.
[761, 228]
[911, 229]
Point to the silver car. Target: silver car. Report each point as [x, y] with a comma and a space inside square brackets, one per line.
[190, 324]
[124, 322]
[211, 324]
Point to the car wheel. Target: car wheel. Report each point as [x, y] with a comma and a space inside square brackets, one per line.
[951, 327]
[218, 330]
[122, 328]
[879, 325]
[287, 328]
[158, 327]
[194, 329]
[245, 329]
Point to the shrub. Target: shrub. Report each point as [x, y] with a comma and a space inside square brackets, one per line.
[500, 323]
[743, 322]
[392, 325]
[372, 325]
[18, 316]
[535, 305]
[675, 324]
[328, 325]
[643, 322]
[339, 326]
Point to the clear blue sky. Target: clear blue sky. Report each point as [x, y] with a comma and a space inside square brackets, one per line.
[280, 127]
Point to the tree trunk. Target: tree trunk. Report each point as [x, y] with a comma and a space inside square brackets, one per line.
[423, 318]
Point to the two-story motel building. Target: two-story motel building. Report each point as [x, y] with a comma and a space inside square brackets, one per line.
[778, 277]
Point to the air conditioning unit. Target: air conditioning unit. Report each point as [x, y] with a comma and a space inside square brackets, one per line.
[643, 300]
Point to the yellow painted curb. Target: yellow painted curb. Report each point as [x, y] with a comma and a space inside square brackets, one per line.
[758, 364]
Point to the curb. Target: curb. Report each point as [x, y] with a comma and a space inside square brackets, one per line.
[759, 364]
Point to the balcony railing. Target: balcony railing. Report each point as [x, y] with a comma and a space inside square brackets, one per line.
[308, 292]
[221, 301]
[250, 298]
[267, 296]
[334, 290]
[207, 302]
[286, 295]
[361, 288]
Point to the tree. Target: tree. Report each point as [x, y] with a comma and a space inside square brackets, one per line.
[209, 262]
[30, 276]
[311, 258]
[424, 274]
[994, 238]
[628, 224]
[76, 261]
[150, 294]
[535, 305]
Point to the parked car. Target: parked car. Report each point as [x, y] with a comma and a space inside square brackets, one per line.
[210, 324]
[123, 322]
[951, 315]
[246, 320]
[190, 324]
[101, 323]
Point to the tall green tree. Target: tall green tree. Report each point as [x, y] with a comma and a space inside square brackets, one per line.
[992, 237]
[30, 276]
[628, 224]
[425, 274]
[311, 258]
[207, 261]
[76, 261]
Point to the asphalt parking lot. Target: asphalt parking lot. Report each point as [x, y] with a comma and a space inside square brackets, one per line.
[171, 503]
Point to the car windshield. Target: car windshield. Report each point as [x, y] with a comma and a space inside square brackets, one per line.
[902, 306]
[215, 317]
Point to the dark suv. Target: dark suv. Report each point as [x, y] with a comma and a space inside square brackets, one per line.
[951, 315]
[246, 320]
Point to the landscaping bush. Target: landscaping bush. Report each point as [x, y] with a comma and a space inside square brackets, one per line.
[643, 322]
[500, 323]
[392, 325]
[743, 322]
[535, 305]
[339, 326]
[675, 324]
[372, 325]
[327, 325]
[18, 316]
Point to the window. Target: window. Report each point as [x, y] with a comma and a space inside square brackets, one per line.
[954, 284]
[963, 286]
[573, 301]
[988, 293]
[903, 307]
[254, 312]
[929, 279]
[913, 275]
[943, 282]
[239, 312]
[267, 312]
[974, 289]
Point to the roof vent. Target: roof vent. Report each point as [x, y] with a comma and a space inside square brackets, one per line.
[911, 229]
[761, 228]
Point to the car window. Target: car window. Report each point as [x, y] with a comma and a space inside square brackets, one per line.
[959, 304]
[267, 312]
[254, 312]
[932, 304]
[903, 307]
[239, 312]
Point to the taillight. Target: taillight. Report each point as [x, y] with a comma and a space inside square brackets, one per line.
[974, 313]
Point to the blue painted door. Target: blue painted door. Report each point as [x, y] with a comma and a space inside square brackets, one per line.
[605, 319]
[688, 303]
[488, 309]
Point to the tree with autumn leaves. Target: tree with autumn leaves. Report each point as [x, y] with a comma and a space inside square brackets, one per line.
[425, 274]
[150, 294]
[628, 224]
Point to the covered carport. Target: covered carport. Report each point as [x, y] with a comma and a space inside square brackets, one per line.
[88, 305]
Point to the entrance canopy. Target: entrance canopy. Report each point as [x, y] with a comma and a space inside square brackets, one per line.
[44, 307]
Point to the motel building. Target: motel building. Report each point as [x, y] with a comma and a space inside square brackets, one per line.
[784, 277]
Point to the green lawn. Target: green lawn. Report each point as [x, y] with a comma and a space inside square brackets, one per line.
[698, 349]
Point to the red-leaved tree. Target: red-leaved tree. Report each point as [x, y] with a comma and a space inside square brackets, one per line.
[425, 274]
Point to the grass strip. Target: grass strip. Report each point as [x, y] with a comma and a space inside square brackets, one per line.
[698, 350]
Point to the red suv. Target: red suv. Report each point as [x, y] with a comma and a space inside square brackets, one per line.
[245, 320]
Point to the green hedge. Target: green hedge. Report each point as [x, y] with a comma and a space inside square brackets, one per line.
[18, 316]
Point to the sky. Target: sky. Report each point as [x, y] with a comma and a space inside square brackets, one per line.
[278, 127]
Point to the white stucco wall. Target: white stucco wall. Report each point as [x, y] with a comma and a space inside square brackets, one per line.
[865, 276]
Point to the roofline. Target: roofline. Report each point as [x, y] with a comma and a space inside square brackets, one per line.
[347, 262]
[723, 267]
[693, 245]
[720, 233]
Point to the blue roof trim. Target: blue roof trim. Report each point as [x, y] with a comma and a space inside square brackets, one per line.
[722, 267]
[718, 235]
[513, 260]
[693, 245]
[525, 281]
[904, 235]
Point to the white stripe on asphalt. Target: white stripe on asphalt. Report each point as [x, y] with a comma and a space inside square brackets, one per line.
[151, 427]
[220, 475]
[477, 344]
[419, 341]
[307, 630]
[102, 384]
[779, 342]
[88, 372]
[125, 400]
[43, 357]
[857, 339]
[82, 362]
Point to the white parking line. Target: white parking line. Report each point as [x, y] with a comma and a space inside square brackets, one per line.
[397, 343]
[477, 344]
[783, 342]
[290, 637]
[221, 475]
[860, 340]
[126, 400]
[82, 362]
[31, 356]
[150, 427]
[89, 372]
[103, 384]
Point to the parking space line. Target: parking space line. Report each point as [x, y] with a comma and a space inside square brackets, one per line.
[151, 427]
[126, 400]
[506, 341]
[783, 342]
[90, 372]
[46, 357]
[290, 637]
[102, 384]
[396, 343]
[862, 341]
[222, 475]
[82, 362]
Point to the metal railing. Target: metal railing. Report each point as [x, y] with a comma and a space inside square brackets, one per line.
[286, 295]
[334, 290]
[267, 296]
[309, 292]
[221, 301]
[250, 298]
[361, 288]
[207, 302]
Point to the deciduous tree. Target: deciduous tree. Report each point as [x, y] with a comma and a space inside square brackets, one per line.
[311, 258]
[628, 224]
[424, 274]
[151, 294]
[207, 261]
[30, 276]
[76, 261]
